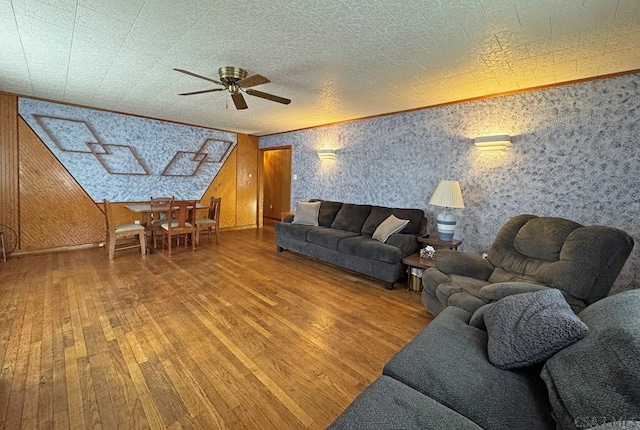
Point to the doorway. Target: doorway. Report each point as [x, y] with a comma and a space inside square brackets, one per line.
[276, 183]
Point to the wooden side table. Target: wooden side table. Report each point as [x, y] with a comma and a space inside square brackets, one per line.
[283, 215]
[439, 244]
[414, 261]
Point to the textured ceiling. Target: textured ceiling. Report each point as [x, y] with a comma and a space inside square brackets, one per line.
[336, 60]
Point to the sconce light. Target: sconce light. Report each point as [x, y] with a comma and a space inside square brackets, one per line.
[492, 143]
[327, 154]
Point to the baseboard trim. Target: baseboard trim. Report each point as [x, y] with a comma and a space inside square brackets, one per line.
[20, 252]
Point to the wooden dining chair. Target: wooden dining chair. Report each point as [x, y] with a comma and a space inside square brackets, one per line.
[156, 218]
[4, 250]
[212, 221]
[180, 221]
[122, 231]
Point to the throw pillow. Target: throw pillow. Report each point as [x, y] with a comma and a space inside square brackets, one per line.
[526, 329]
[477, 319]
[306, 213]
[350, 217]
[388, 227]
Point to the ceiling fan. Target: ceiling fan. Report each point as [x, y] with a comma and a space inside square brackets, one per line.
[235, 80]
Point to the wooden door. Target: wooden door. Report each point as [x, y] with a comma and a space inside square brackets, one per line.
[276, 170]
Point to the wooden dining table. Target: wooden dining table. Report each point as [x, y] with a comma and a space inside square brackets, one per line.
[146, 209]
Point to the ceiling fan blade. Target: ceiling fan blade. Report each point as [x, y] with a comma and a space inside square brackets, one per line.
[268, 96]
[186, 72]
[201, 92]
[252, 81]
[238, 100]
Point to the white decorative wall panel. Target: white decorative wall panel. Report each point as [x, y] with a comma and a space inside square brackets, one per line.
[575, 154]
[125, 158]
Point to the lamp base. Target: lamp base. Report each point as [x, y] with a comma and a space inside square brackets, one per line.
[446, 226]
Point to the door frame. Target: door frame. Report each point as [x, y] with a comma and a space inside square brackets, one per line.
[261, 152]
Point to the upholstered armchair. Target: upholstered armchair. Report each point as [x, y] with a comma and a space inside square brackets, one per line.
[530, 253]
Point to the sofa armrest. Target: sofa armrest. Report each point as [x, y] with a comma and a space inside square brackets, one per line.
[388, 404]
[463, 263]
[499, 290]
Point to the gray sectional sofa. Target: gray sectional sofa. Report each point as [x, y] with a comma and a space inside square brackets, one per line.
[443, 379]
[343, 237]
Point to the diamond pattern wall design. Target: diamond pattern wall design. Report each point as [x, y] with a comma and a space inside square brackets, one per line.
[116, 159]
[211, 151]
[127, 158]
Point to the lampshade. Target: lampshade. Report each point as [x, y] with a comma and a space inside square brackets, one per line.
[448, 195]
[326, 154]
[492, 143]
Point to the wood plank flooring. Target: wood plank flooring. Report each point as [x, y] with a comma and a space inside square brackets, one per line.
[233, 336]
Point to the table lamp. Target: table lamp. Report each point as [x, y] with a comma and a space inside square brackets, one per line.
[447, 195]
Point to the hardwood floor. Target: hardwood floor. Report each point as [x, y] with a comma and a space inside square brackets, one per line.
[234, 335]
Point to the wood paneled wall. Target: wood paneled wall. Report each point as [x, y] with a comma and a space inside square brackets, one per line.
[54, 209]
[9, 168]
[247, 180]
[48, 209]
[237, 185]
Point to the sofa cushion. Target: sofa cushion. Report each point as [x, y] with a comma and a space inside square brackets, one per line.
[528, 328]
[328, 211]
[350, 217]
[379, 214]
[328, 237]
[371, 249]
[306, 213]
[295, 231]
[388, 227]
[599, 376]
[389, 404]
[448, 362]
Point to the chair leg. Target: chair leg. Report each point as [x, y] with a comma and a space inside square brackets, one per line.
[4, 250]
[217, 240]
[112, 247]
[143, 243]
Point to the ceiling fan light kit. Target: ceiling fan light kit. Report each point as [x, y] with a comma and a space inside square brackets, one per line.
[236, 81]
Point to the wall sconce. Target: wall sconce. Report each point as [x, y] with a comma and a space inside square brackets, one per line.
[492, 143]
[326, 154]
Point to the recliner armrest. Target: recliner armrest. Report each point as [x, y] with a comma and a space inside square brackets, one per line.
[499, 290]
[495, 292]
[463, 263]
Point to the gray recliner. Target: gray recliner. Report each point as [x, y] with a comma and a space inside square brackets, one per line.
[530, 253]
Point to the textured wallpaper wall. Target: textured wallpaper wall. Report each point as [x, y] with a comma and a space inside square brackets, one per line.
[125, 158]
[575, 154]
